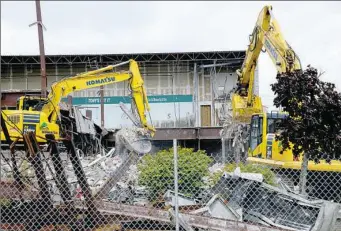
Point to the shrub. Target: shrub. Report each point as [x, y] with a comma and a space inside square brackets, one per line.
[156, 172]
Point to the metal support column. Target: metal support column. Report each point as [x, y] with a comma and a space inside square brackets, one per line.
[26, 76]
[174, 92]
[213, 95]
[195, 95]
[10, 76]
[56, 72]
[159, 80]
[102, 106]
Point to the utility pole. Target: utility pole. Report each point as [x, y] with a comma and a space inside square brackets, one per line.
[41, 49]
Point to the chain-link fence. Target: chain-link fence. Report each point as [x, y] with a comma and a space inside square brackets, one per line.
[173, 189]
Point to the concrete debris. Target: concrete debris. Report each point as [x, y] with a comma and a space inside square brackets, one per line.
[97, 170]
[127, 191]
[99, 158]
[236, 134]
[134, 139]
[216, 167]
[248, 176]
[5, 170]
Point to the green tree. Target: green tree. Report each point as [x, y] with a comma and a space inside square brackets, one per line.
[314, 121]
[156, 172]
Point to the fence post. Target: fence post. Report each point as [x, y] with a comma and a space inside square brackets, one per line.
[176, 184]
[223, 150]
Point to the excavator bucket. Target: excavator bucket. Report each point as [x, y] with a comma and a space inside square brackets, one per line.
[134, 139]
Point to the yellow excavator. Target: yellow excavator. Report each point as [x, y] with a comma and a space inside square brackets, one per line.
[45, 116]
[247, 107]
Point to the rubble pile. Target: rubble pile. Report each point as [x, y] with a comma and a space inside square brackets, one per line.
[238, 196]
[250, 199]
[314, 109]
[128, 191]
[96, 173]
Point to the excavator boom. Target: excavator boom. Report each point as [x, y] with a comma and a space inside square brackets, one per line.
[98, 78]
[262, 126]
[267, 34]
[45, 120]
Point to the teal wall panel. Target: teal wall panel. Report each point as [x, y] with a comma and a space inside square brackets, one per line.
[127, 99]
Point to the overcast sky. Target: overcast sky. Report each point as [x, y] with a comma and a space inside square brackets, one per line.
[313, 29]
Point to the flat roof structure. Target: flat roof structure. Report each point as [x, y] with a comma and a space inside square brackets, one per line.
[219, 56]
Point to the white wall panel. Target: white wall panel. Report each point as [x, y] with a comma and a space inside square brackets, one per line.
[161, 113]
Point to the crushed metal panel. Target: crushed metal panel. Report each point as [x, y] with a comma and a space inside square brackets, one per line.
[265, 204]
[169, 196]
[218, 208]
[83, 124]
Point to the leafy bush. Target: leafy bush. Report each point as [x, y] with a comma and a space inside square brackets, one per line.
[156, 172]
[269, 176]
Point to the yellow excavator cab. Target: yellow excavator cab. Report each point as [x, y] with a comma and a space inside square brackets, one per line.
[265, 149]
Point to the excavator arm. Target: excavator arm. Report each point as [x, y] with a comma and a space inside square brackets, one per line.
[265, 34]
[98, 78]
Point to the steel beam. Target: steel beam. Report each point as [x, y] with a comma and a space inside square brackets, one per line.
[203, 133]
[102, 105]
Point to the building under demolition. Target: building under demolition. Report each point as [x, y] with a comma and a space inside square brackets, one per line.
[185, 90]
